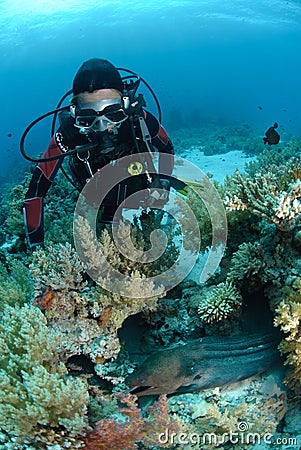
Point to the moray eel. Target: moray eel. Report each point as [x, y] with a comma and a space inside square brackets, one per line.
[204, 364]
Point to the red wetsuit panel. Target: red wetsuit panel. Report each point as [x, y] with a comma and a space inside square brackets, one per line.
[48, 168]
[33, 213]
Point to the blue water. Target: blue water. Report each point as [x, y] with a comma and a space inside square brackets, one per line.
[219, 58]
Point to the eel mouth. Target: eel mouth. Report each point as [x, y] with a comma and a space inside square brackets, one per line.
[141, 389]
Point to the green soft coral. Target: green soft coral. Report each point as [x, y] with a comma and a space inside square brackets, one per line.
[11, 209]
[15, 284]
[38, 398]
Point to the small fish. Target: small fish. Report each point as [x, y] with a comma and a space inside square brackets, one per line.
[9, 134]
[272, 137]
[260, 107]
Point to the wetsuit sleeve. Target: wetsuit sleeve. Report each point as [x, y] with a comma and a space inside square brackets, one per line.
[41, 180]
[163, 144]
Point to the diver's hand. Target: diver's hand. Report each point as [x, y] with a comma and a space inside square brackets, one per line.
[159, 196]
[165, 186]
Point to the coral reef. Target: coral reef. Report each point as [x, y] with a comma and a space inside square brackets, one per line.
[16, 287]
[272, 261]
[215, 420]
[79, 327]
[11, 211]
[132, 428]
[40, 403]
[273, 195]
[57, 267]
[221, 303]
[216, 139]
[87, 317]
[288, 318]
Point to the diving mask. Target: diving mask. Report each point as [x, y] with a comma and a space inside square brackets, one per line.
[99, 116]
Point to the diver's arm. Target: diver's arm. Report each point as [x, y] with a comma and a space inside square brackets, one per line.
[163, 144]
[41, 180]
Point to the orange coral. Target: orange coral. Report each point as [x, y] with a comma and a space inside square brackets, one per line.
[105, 315]
[46, 300]
[123, 435]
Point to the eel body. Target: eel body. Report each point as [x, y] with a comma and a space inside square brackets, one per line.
[204, 364]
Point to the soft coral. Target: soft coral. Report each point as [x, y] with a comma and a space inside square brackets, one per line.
[123, 435]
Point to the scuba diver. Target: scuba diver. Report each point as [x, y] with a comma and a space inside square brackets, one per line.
[105, 121]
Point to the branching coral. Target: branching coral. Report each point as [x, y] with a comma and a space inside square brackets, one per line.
[274, 195]
[271, 160]
[262, 263]
[133, 428]
[39, 403]
[220, 303]
[247, 262]
[288, 317]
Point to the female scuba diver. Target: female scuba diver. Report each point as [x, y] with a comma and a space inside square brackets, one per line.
[105, 121]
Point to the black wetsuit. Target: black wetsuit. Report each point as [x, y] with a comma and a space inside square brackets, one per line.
[67, 138]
